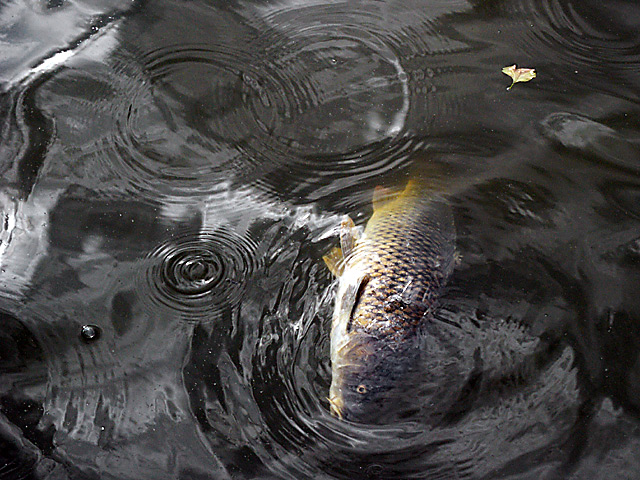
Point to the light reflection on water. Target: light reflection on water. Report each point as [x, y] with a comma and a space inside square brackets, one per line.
[172, 174]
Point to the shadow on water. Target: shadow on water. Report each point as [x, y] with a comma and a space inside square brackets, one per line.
[173, 173]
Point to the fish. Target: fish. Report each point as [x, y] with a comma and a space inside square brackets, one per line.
[390, 277]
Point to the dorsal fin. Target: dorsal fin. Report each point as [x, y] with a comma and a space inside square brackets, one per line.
[383, 195]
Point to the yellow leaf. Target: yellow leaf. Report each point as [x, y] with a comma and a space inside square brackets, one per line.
[519, 74]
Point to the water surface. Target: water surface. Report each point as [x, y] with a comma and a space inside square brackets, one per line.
[173, 172]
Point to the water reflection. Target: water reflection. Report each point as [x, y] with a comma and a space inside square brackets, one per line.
[173, 173]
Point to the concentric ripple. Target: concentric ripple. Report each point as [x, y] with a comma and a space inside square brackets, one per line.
[352, 92]
[319, 109]
[199, 274]
[287, 94]
[301, 93]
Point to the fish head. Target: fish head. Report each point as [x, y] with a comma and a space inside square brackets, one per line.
[352, 382]
[371, 378]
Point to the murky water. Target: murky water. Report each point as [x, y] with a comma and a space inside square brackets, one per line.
[173, 173]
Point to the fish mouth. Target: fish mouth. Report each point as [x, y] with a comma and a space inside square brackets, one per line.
[336, 405]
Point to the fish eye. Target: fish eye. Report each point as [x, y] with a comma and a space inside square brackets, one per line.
[362, 389]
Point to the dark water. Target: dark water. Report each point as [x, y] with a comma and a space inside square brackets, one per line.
[173, 172]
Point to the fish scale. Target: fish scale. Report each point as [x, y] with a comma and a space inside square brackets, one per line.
[401, 250]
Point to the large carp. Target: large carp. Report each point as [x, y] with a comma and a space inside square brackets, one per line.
[390, 278]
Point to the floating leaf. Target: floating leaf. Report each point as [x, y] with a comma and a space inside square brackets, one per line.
[519, 74]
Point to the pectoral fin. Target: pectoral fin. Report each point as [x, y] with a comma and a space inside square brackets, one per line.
[355, 299]
[335, 261]
[350, 300]
[349, 236]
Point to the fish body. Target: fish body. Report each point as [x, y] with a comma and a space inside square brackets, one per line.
[390, 278]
